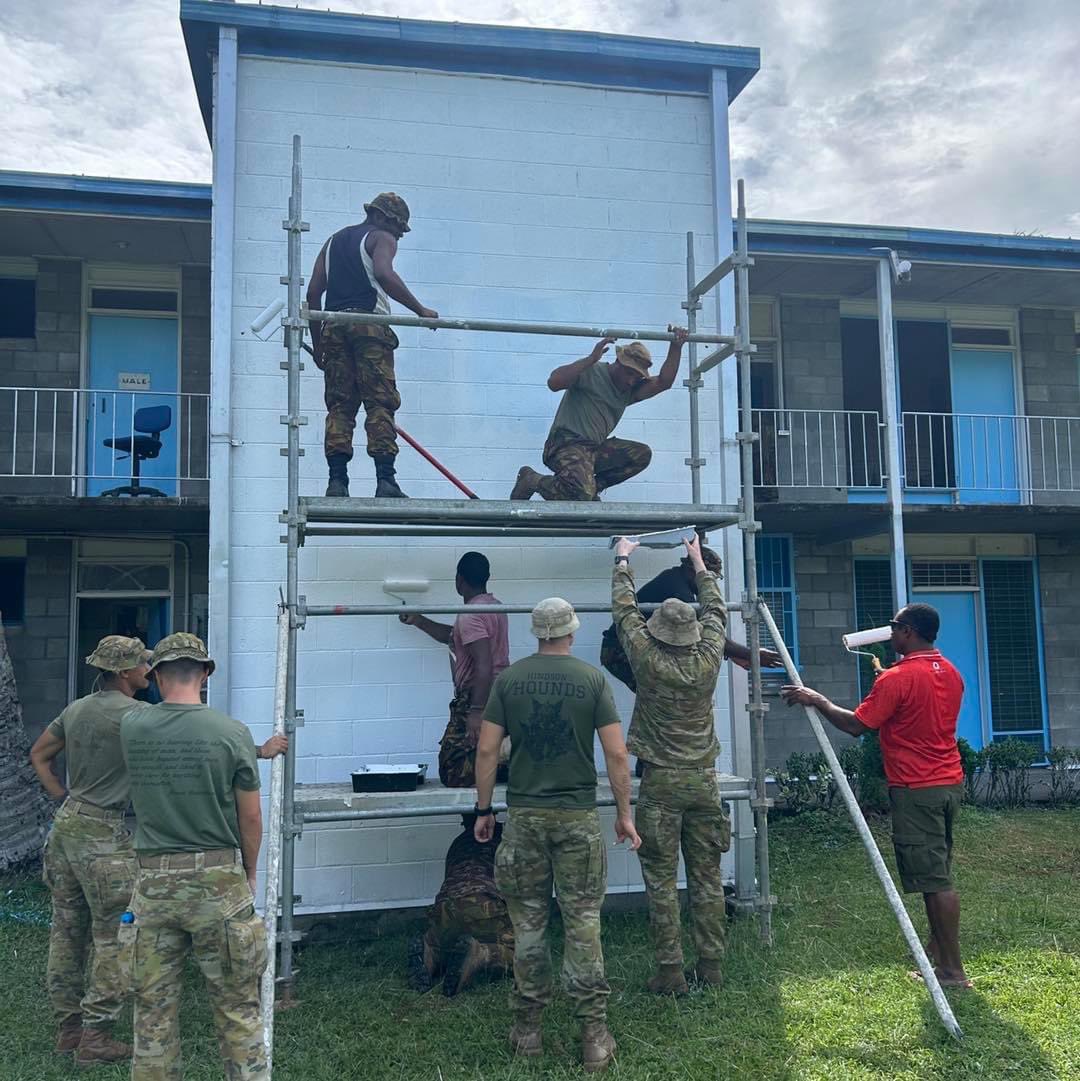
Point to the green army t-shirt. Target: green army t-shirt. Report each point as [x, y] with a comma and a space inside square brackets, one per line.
[593, 406]
[550, 707]
[90, 729]
[184, 762]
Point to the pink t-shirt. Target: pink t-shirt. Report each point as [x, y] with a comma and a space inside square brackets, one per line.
[471, 628]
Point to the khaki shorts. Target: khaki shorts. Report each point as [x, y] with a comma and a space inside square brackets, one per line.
[922, 826]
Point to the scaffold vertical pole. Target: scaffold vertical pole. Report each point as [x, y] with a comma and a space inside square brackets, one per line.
[294, 336]
[693, 384]
[751, 616]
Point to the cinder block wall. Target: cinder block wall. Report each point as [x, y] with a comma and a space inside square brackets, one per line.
[1051, 389]
[530, 201]
[1059, 592]
[49, 359]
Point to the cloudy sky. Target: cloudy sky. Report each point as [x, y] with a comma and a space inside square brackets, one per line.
[959, 114]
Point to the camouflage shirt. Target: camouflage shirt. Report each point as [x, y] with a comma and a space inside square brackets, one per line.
[673, 713]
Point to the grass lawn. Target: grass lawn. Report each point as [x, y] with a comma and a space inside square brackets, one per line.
[831, 1000]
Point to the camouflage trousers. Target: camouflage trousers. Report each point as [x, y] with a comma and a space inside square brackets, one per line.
[681, 809]
[613, 658]
[583, 470]
[208, 912]
[358, 369]
[457, 753]
[89, 867]
[565, 848]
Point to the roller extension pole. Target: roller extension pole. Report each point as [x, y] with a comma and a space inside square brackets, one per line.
[273, 842]
[436, 463]
[692, 304]
[941, 1003]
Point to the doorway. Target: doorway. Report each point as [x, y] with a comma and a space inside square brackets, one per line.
[147, 618]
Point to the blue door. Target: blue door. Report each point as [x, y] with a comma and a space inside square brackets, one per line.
[133, 365]
[958, 640]
[985, 434]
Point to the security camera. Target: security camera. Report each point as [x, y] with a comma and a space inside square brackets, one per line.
[901, 268]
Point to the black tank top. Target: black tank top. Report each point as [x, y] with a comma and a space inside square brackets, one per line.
[347, 282]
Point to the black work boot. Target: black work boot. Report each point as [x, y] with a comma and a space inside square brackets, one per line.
[339, 475]
[386, 487]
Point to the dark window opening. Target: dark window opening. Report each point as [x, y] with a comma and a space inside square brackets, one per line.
[873, 608]
[12, 591]
[982, 336]
[18, 308]
[136, 300]
[861, 359]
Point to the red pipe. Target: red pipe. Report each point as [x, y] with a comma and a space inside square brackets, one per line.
[436, 463]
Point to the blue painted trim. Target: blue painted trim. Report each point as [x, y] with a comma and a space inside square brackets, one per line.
[793, 589]
[924, 245]
[558, 55]
[107, 196]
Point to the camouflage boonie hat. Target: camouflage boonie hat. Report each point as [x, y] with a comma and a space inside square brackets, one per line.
[554, 618]
[115, 653]
[393, 206]
[635, 356]
[675, 623]
[181, 646]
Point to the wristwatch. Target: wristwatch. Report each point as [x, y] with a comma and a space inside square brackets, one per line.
[482, 812]
[622, 559]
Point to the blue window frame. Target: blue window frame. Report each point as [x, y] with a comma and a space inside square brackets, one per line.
[776, 585]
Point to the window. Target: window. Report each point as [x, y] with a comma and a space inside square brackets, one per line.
[776, 585]
[994, 336]
[18, 308]
[12, 591]
[873, 608]
[1012, 647]
[135, 300]
[944, 574]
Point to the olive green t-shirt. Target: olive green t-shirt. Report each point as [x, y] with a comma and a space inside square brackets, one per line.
[550, 707]
[592, 407]
[90, 729]
[184, 762]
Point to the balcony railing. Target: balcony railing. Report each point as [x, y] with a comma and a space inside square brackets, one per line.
[53, 441]
[817, 448]
[992, 455]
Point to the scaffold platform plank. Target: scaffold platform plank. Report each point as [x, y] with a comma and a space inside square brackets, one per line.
[474, 517]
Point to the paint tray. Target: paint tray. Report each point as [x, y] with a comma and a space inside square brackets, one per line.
[382, 778]
[665, 538]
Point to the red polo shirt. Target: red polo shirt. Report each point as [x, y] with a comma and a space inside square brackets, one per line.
[914, 706]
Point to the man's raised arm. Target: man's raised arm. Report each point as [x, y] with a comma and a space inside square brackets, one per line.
[565, 377]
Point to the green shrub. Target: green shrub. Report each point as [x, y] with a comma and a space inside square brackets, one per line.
[1063, 774]
[1008, 763]
[972, 762]
[873, 789]
[804, 782]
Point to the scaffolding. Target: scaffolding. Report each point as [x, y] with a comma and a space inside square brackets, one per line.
[306, 517]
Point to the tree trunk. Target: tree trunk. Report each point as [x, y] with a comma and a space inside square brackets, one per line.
[25, 809]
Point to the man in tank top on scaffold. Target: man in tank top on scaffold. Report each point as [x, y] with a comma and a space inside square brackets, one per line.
[355, 269]
[579, 451]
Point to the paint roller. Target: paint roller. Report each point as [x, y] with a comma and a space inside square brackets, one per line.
[867, 638]
[258, 324]
[396, 586]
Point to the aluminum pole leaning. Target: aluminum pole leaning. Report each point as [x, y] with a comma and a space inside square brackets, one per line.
[273, 842]
[941, 1003]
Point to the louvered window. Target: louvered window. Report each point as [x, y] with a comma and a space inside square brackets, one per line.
[873, 608]
[944, 574]
[776, 584]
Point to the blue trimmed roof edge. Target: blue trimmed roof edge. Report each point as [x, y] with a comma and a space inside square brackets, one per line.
[561, 55]
[105, 195]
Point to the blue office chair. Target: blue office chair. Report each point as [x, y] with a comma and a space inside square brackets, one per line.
[151, 422]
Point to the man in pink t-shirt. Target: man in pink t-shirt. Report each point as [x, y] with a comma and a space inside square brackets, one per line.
[479, 650]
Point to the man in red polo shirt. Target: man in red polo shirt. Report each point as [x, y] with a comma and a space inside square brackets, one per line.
[913, 707]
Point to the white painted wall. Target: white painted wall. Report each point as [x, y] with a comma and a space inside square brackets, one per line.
[530, 201]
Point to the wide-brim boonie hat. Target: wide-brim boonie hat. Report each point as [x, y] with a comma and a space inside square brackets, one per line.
[554, 618]
[675, 623]
[179, 647]
[115, 653]
[635, 356]
[393, 206]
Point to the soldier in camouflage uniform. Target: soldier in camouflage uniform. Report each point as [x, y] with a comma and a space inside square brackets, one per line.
[553, 706]
[355, 269]
[195, 787]
[468, 930]
[89, 862]
[579, 451]
[676, 661]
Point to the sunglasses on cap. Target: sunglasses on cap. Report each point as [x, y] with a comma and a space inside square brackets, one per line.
[894, 623]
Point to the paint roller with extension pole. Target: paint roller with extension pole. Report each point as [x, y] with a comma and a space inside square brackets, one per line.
[867, 638]
[396, 586]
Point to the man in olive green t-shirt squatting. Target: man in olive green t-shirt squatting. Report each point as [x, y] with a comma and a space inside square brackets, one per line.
[552, 705]
[195, 788]
[579, 450]
[89, 862]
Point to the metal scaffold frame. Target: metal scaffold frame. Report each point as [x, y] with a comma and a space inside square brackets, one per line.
[311, 517]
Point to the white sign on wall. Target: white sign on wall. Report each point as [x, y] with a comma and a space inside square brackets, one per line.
[134, 381]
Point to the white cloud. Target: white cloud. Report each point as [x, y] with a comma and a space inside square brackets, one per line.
[957, 113]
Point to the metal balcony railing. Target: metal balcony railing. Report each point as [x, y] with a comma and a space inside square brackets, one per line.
[53, 440]
[970, 453]
[817, 448]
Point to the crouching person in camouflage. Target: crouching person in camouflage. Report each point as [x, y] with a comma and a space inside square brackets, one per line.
[676, 660]
[468, 929]
[551, 704]
[195, 787]
[89, 862]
